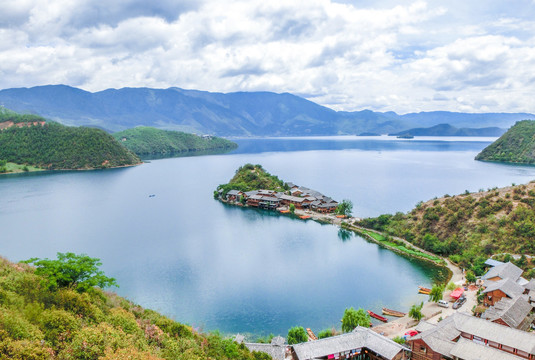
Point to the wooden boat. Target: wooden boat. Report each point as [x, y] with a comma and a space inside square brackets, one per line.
[393, 312]
[423, 290]
[378, 317]
[341, 216]
[284, 211]
[305, 217]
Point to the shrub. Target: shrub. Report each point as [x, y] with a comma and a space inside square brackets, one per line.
[17, 327]
[297, 335]
[58, 326]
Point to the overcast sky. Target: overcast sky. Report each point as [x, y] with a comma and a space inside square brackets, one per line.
[404, 56]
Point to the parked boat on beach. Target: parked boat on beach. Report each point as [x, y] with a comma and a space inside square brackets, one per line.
[378, 317]
[393, 312]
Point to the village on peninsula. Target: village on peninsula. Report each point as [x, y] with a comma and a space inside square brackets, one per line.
[490, 317]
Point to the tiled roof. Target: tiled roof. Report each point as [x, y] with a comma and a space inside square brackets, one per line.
[505, 271]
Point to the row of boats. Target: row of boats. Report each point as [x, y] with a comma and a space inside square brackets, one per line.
[390, 312]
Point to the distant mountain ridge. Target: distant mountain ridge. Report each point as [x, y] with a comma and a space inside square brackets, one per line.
[232, 114]
[448, 130]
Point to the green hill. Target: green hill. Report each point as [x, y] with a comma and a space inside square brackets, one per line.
[517, 145]
[145, 140]
[33, 141]
[37, 323]
[470, 227]
[252, 177]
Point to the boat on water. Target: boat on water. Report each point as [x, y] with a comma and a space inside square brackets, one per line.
[305, 217]
[423, 290]
[284, 211]
[378, 317]
[395, 313]
[405, 136]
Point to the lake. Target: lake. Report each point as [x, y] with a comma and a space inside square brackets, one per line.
[241, 270]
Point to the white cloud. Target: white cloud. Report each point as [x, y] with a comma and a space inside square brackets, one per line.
[385, 56]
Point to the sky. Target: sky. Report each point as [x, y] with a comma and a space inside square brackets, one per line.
[403, 56]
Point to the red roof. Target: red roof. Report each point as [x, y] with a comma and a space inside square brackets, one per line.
[457, 293]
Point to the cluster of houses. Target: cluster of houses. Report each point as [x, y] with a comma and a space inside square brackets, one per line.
[501, 333]
[300, 196]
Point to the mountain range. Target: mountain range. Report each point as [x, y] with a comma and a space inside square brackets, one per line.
[230, 114]
[448, 130]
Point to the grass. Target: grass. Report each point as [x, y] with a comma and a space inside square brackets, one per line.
[17, 168]
[383, 240]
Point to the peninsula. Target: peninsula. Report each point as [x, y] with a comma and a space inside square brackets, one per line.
[517, 145]
[254, 187]
[32, 141]
[147, 141]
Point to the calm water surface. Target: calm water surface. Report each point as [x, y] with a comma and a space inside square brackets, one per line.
[242, 270]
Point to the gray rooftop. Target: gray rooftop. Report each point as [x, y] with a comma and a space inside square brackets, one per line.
[492, 262]
[359, 338]
[424, 326]
[504, 271]
[511, 311]
[508, 286]
[469, 350]
[530, 285]
[275, 351]
[233, 192]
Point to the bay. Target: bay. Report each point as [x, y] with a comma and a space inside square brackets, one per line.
[241, 270]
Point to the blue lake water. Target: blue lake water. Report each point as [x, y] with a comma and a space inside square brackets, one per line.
[241, 270]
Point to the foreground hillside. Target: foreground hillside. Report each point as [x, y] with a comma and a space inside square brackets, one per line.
[232, 114]
[38, 324]
[30, 140]
[470, 227]
[145, 141]
[517, 145]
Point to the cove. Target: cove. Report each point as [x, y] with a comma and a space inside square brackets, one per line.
[241, 270]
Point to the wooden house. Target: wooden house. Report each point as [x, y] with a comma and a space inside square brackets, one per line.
[497, 290]
[461, 336]
[515, 313]
[361, 343]
[503, 271]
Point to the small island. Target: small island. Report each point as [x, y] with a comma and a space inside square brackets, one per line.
[517, 145]
[252, 186]
[150, 142]
[30, 142]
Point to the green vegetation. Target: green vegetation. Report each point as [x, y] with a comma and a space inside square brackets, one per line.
[399, 340]
[470, 276]
[451, 286]
[292, 208]
[326, 333]
[297, 335]
[39, 323]
[9, 167]
[353, 318]
[517, 145]
[437, 292]
[29, 140]
[78, 272]
[416, 312]
[344, 208]
[145, 140]
[398, 245]
[469, 228]
[252, 177]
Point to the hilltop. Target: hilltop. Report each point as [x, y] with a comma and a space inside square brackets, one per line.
[225, 114]
[251, 177]
[470, 227]
[517, 145]
[31, 140]
[145, 141]
[42, 324]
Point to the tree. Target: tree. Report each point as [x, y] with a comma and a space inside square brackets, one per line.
[79, 272]
[297, 335]
[416, 311]
[353, 318]
[437, 292]
[344, 208]
[470, 276]
[292, 208]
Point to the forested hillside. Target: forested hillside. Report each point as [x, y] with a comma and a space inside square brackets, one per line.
[470, 227]
[252, 177]
[517, 145]
[31, 140]
[144, 141]
[42, 319]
